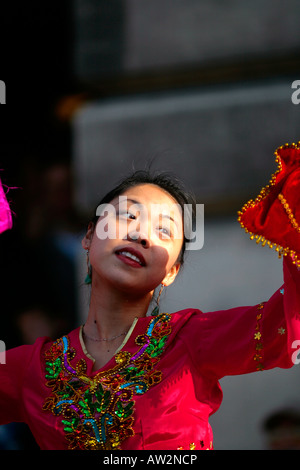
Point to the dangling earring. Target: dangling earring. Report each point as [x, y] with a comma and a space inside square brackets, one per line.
[155, 311]
[88, 279]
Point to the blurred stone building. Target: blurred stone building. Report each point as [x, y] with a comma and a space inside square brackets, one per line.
[201, 88]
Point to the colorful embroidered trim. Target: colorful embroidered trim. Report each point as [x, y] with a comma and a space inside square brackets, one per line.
[98, 412]
[257, 338]
[282, 251]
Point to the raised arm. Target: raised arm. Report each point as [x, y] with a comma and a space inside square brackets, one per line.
[267, 335]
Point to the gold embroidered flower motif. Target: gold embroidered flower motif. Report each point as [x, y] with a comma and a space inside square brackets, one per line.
[257, 337]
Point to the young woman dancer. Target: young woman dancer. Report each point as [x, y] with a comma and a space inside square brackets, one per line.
[129, 380]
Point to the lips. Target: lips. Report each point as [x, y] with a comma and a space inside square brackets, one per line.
[131, 256]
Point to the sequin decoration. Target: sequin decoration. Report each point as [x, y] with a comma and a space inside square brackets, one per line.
[98, 412]
[281, 331]
[193, 446]
[289, 212]
[264, 193]
[257, 338]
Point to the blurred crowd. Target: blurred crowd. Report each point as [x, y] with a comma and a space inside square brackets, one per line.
[39, 267]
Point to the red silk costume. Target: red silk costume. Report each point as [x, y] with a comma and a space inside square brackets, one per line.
[162, 385]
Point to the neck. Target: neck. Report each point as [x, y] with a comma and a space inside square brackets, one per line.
[112, 312]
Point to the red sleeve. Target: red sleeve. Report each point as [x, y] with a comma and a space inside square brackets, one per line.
[267, 335]
[248, 339]
[12, 373]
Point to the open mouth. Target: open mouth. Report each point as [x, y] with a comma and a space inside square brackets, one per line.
[131, 257]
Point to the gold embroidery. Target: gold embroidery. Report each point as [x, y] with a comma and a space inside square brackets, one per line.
[257, 336]
[98, 412]
[282, 251]
[289, 212]
[193, 446]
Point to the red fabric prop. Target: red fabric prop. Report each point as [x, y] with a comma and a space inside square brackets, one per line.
[273, 218]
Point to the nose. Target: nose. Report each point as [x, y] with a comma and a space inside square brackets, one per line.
[139, 238]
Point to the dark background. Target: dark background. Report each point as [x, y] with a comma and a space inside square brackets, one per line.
[55, 57]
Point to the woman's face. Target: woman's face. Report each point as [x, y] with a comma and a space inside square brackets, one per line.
[137, 241]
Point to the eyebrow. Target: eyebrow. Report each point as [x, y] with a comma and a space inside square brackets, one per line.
[169, 217]
[128, 199]
[134, 201]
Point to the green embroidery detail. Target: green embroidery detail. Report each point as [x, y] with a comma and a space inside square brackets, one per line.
[98, 412]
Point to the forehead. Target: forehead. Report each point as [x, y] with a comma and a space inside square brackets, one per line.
[153, 198]
[149, 193]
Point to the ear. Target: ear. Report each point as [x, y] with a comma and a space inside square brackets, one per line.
[87, 239]
[170, 277]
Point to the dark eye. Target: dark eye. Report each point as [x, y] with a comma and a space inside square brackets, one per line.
[165, 231]
[127, 215]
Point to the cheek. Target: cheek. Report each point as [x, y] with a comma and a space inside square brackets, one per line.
[175, 253]
[98, 250]
[164, 259]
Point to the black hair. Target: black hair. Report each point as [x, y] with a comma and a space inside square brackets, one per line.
[166, 181]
